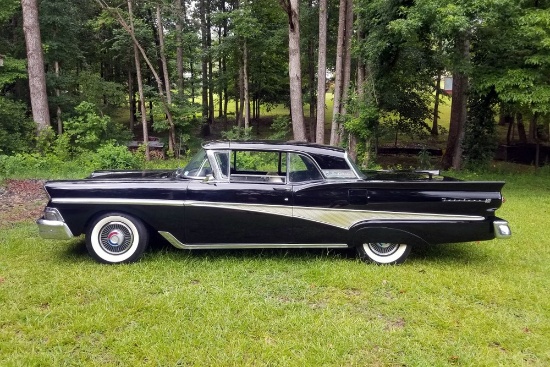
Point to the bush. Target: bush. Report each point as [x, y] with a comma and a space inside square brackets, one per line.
[280, 128]
[88, 130]
[16, 130]
[111, 156]
[238, 133]
[480, 142]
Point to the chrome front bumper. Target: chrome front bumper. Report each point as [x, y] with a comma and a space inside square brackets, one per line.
[52, 226]
[53, 229]
[502, 229]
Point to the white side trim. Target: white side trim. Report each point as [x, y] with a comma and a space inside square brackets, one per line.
[340, 218]
[118, 201]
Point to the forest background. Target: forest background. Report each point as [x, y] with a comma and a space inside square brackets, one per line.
[83, 78]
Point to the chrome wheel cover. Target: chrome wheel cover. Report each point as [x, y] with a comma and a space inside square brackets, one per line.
[115, 238]
[383, 248]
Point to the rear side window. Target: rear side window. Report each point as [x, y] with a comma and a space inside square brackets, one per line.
[302, 168]
[334, 167]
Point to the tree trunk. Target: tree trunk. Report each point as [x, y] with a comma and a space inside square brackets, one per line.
[521, 129]
[210, 67]
[179, 46]
[453, 152]
[156, 33]
[192, 71]
[246, 111]
[339, 73]
[292, 7]
[171, 127]
[140, 88]
[321, 73]
[35, 60]
[347, 58]
[435, 129]
[132, 99]
[58, 94]
[533, 127]
[204, 60]
[510, 130]
[240, 106]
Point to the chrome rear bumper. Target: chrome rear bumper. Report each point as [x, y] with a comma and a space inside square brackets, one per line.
[502, 229]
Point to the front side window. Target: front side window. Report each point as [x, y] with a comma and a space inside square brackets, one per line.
[258, 166]
[198, 166]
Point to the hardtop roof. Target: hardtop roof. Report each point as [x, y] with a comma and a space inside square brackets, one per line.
[275, 145]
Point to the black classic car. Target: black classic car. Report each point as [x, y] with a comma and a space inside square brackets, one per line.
[271, 195]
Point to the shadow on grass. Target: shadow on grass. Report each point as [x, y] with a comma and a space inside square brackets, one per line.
[447, 253]
[450, 253]
[76, 250]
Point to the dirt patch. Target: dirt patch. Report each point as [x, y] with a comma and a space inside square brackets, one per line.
[21, 200]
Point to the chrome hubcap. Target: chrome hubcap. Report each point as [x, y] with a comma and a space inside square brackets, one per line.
[383, 249]
[115, 238]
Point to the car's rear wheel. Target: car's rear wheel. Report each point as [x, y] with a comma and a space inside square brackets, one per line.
[383, 252]
[116, 238]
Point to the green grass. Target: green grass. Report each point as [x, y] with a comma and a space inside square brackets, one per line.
[482, 304]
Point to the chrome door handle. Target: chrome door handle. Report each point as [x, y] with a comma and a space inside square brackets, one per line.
[281, 188]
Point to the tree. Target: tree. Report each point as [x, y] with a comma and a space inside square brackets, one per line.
[292, 8]
[321, 73]
[137, 65]
[37, 76]
[160, 85]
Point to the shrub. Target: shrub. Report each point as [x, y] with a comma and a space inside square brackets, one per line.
[238, 133]
[280, 128]
[16, 130]
[111, 156]
[88, 130]
[480, 141]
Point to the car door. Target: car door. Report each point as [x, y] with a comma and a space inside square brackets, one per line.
[318, 205]
[248, 201]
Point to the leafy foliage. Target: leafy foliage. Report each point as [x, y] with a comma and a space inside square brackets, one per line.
[480, 135]
[238, 133]
[16, 129]
[280, 128]
[88, 130]
[112, 156]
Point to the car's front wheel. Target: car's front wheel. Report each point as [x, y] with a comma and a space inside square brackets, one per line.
[116, 238]
[384, 252]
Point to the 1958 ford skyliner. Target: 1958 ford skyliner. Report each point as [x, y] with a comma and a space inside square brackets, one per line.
[271, 195]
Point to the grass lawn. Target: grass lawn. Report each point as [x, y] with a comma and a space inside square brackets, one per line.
[482, 304]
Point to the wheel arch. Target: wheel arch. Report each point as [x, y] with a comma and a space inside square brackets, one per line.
[384, 232]
[92, 217]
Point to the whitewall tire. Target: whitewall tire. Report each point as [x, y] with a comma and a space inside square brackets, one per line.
[383, 252]
[116, 238]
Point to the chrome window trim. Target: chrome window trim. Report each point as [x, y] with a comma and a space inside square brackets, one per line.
[358, 175]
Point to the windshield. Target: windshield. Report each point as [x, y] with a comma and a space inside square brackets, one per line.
[198, 166]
